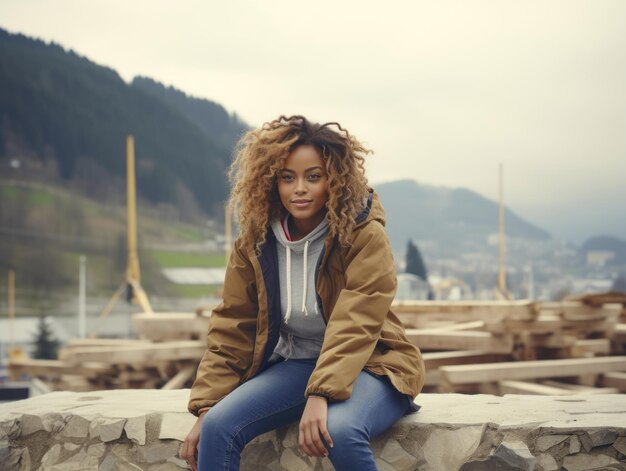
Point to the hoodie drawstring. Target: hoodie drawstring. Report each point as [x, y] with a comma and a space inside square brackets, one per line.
[288, 313]
[304, 281]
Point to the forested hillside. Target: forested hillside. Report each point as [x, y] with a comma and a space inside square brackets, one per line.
[212, 119]
[61, 107]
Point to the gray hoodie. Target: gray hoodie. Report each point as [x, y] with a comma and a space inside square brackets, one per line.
[302, 329]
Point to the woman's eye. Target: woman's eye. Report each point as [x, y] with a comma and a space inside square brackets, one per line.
[286, 178]
[315, 176]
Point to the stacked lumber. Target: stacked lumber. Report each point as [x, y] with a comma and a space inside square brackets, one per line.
[165, 356]
[573, 347]
[520, 347]
[618, 338]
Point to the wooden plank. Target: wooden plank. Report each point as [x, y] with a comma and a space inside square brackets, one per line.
[597, 299]
[539, 326]
[38, 387]
[472, 325]
[169, 351]
[525, 387]
[75, 383]
[549, 341]
[487, 311]
[552, 324]
[72, 343]
[427, 339]
[579, 388]
[584, 312]
[614, 380]
[531, 369]
[57, 367]
[171, 326]
[434, 360]
[619, 333]
[180, 378]
[433, 378]
[602, 346]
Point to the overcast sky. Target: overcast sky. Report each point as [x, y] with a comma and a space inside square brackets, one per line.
[441, 91]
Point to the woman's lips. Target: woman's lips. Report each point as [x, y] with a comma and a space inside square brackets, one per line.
[301, 203]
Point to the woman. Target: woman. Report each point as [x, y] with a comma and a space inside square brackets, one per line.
[304, 331]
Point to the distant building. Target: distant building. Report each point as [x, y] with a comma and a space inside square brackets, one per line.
[411, 287]
[599, 258]
[587, 285]
[195, 276]
[450, 289]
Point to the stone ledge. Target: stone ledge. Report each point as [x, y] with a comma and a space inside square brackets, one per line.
[143, 430]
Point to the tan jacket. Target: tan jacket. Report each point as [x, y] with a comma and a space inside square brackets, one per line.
[355, 287]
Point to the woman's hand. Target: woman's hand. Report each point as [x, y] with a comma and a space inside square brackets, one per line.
[189, 451]
[312, 424]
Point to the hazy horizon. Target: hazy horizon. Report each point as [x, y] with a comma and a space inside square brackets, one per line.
[441, 92]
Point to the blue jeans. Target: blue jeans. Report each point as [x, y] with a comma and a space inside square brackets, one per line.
[275, 398]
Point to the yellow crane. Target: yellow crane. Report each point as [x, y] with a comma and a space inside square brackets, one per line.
[502, 292]
[132, 282]
[14, 352]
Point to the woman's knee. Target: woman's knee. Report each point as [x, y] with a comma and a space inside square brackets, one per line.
[346, 431]
[216, 424]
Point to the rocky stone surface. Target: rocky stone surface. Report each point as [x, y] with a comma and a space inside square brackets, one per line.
[132, 430]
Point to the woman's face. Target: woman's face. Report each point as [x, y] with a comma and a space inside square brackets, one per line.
[303, 188]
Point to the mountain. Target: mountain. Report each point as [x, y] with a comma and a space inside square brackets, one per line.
[59, 108]
[451, 218]
[210, 117]
[606, 244]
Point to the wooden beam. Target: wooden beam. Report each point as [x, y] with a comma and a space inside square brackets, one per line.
[539, 326]
[488, 372]
[597, 299]
[169, 351]
[579, 388]
[602, 346]
[171, 326]
[427, 339]
[487, 311]
[98, 342]
[548, 340]
[57, 367]
[619, 333]
[614, 380]
[433, 378]
[179, 380]
[472, 325]
[525, 387]
[38, 387]
[434, 360]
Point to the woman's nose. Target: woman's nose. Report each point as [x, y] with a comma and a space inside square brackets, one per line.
[301, 186]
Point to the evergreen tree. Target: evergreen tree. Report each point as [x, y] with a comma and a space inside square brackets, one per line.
[619, 284]
[45, 343]
[414, 261]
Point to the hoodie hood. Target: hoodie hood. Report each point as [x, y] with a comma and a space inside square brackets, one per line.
[279, 228]
[302, 248]
[373, 210]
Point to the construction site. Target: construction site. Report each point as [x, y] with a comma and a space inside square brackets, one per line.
[515, 384]
[573, 347]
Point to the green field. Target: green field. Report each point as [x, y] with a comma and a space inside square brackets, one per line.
[44, 228]
[34, 196]
[170, 259]
[194, 291]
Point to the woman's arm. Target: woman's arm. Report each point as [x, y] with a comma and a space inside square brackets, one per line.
[357, 318]
[231, 335]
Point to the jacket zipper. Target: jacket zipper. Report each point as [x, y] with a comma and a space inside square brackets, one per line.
[317, 295]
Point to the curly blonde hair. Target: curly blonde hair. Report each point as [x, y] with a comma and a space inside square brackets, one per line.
[259, 157]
